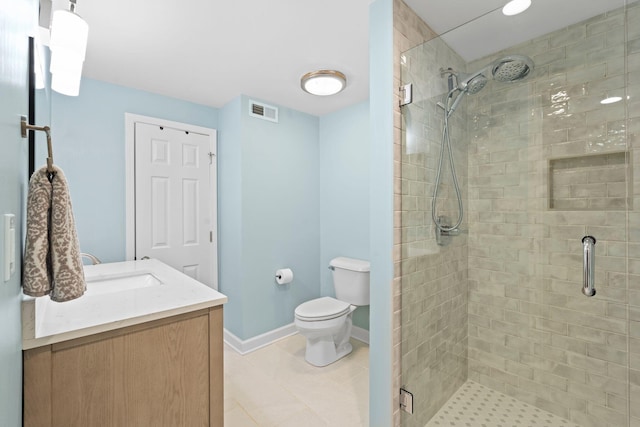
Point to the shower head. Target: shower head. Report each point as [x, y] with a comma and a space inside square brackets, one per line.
[511, 68]
[507, 69]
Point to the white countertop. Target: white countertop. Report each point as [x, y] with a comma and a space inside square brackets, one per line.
[109, 304]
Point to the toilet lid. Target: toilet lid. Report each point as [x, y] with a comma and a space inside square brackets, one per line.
[324, 308]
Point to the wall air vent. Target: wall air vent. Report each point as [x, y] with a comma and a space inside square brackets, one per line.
[263, 111]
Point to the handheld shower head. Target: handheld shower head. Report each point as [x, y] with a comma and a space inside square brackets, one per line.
[474, 83]
[467, 84]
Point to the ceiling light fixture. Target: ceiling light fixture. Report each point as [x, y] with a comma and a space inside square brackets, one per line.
[515, 7]
[323, 82]
[68, 45]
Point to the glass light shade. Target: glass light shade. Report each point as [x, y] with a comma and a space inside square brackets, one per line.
[63, 58]
[69, 31]
[65, 84]
[515, 7]
[67, 80]
[68, 44]
[323, 82]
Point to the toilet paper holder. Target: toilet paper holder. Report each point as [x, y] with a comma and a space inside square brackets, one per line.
[284, 276]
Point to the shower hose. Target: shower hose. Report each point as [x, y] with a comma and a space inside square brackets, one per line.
[446, 141]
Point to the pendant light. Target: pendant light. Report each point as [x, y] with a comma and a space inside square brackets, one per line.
[68, 45]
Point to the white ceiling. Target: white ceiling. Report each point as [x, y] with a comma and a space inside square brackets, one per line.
[494, 31]
[211, 51]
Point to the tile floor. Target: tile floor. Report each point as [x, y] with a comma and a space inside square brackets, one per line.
[274, 386]
[474, 405]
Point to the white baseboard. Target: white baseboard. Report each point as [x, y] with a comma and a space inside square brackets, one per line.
[360, 334]
[259, 341]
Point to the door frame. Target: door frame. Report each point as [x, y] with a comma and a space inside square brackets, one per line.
[129, 161]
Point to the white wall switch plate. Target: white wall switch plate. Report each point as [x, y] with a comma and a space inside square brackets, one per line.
[9, 246]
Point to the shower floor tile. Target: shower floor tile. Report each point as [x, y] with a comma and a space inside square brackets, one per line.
[474, 405]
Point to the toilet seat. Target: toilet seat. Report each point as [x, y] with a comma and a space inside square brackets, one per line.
[324, 308]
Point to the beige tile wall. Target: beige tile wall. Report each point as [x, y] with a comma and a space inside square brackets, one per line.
[531, 333]
[633, 219]
[433, 279]
[408, 31]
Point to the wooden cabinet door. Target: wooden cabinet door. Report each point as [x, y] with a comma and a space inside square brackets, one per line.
[153, 377]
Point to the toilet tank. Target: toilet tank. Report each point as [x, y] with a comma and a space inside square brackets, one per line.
[351, 280]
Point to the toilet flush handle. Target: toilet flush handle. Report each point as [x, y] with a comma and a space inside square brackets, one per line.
[331, 267]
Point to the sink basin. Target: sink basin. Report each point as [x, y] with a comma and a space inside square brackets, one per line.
[100, 285]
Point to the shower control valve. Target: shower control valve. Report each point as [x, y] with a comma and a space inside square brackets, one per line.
[444, 232]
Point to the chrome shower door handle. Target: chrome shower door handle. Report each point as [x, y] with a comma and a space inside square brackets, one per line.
[588, 259]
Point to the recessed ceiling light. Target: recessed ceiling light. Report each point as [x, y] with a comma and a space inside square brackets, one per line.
[611, 100]
[515, 7]
[323, 82]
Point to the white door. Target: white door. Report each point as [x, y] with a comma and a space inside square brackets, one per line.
[174, 219]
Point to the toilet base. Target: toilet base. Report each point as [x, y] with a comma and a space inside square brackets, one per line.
[323, 351]
[327, 341]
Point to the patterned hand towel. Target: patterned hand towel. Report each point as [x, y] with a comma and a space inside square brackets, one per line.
[52, 264]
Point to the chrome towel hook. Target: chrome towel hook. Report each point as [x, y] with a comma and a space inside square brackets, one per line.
[24, 127]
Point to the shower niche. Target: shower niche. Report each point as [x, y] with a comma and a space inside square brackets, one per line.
[590, 182]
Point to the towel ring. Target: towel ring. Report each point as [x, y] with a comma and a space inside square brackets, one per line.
[24, 127]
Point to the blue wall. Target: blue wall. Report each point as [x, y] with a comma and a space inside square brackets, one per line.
[278, 186]
[281, 215]
[291, 194]
[230, 273]
[13, 176]
[276, 219]
[89, 145]
[344, 192]
[381, 232]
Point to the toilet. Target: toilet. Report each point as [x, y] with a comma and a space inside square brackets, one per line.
[326, 322]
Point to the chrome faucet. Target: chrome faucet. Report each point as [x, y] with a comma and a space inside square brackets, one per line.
[94, 260]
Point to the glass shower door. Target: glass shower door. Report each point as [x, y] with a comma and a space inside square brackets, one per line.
[542, 163]
[434, 269]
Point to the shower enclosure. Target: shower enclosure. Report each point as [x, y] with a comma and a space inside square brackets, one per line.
[546, 203]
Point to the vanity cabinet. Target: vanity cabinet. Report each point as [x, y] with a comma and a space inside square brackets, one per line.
[166, 372]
